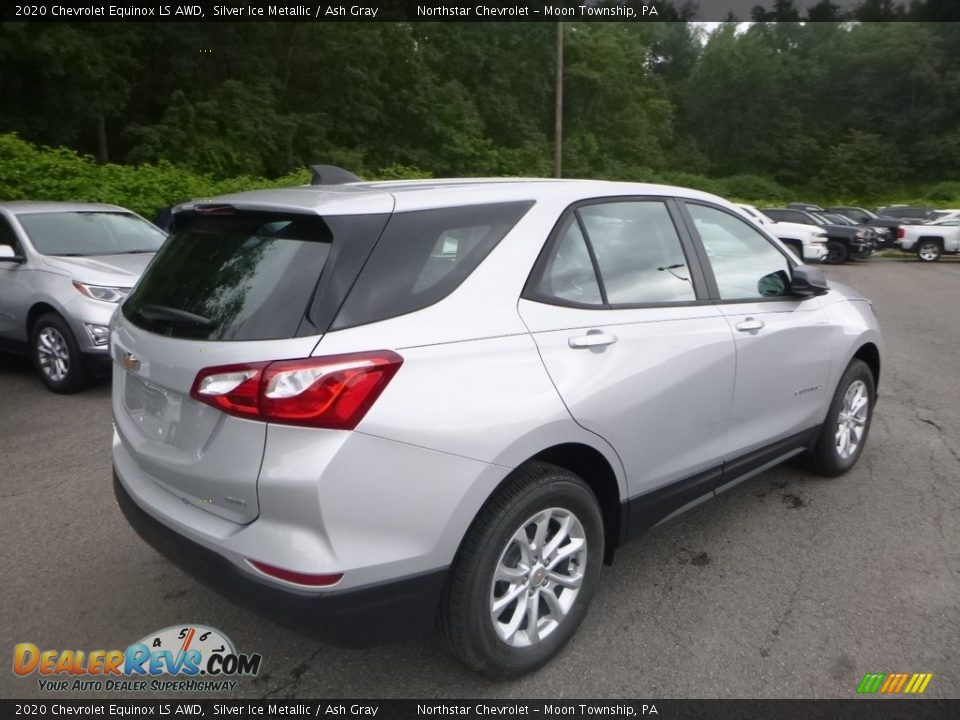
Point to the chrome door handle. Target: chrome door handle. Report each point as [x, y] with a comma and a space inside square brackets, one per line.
[593, 338]
[749, 325]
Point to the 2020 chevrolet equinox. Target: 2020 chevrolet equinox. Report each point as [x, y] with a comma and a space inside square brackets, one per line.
[448, 402]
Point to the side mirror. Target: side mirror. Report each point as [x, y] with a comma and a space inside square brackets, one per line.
[7, 254]
[808, 281]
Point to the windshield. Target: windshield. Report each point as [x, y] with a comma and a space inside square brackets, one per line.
[90, 233]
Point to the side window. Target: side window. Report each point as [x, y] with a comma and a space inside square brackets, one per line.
[638, 253]
[8, 236]
[424, 255]
[568, 273]
[745, 264]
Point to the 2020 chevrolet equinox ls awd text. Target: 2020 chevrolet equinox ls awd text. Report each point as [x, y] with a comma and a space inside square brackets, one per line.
[448, 402]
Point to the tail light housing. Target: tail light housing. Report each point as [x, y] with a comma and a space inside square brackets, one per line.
[334, 391]
[900, 232]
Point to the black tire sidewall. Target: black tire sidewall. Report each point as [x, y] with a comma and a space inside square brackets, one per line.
[563, 490]
[76, 374]
[838, 253]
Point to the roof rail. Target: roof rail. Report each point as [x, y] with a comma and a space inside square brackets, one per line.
[331, 175]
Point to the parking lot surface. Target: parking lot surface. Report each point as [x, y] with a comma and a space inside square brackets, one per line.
[787, 586]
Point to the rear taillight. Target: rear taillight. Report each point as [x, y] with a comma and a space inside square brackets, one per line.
[333, 392]
[900, 232]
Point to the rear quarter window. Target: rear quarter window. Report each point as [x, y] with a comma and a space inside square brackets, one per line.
[424, 255]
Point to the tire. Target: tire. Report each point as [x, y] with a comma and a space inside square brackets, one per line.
[837, 253]
[56, 355]
[503, 538]
[826, 457]
[929, 250]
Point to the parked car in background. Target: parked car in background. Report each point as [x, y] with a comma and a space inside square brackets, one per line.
[862, 216]
[843, 242]
[931, 241]
[64, 267]
[809, 207]
[464, 395]
[808, 242]
[906, 213]
[873, 234]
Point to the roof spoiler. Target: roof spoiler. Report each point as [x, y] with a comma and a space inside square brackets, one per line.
[331, 175]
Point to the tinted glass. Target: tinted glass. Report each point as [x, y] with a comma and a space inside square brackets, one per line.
[8, 237]
[90, 233]
[567, 274]
[248, 276]
[638, 253]
[745, 263]
[423, 256]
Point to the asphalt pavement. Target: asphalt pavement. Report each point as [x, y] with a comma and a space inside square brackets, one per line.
[787, 586]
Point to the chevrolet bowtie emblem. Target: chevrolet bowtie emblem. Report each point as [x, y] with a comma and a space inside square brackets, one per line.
[130, 362]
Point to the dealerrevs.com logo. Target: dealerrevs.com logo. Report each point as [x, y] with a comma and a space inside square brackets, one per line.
[188, 658]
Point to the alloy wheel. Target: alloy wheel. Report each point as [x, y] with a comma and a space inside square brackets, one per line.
[53, 354]
[852, 419]
[538, 577]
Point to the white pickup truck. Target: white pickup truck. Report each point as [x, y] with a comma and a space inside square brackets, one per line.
[809, 242]
[931, 240]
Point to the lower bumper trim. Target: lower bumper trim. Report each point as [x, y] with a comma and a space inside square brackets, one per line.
[373, 615]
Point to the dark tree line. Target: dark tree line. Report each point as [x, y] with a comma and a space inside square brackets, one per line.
[834, 107]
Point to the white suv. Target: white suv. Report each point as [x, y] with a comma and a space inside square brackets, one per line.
[395, 404]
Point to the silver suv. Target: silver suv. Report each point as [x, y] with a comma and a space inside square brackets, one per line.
[63, 269]
[408, 403]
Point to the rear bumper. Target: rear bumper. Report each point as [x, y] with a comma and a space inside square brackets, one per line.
[367, 616]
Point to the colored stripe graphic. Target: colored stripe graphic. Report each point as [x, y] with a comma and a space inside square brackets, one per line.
[871, 682]
[894, 683]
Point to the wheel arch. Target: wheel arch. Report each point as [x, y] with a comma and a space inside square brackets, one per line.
[870, 354]
[38, 310]
[597, 471]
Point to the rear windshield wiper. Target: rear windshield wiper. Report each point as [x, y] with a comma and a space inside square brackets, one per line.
[164, 312]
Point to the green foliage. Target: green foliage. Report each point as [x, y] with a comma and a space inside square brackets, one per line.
[827, 110]
[756, 187]
[33, 173]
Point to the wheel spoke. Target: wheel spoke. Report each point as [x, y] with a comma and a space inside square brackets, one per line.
[563, 532]
[533, 617]
[542, 522]
[501, 603]
[842, 441]
[508, 630]
[557, 611]
[571, 548]
[522, 542]
[511, 575]
[568, 581]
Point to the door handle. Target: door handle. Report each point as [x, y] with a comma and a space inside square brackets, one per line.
[749, 325]
[593, 338]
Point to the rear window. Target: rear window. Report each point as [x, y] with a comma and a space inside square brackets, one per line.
[242, 276]
[423, 256]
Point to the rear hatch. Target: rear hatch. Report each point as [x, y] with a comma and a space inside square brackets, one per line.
[230, 286]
